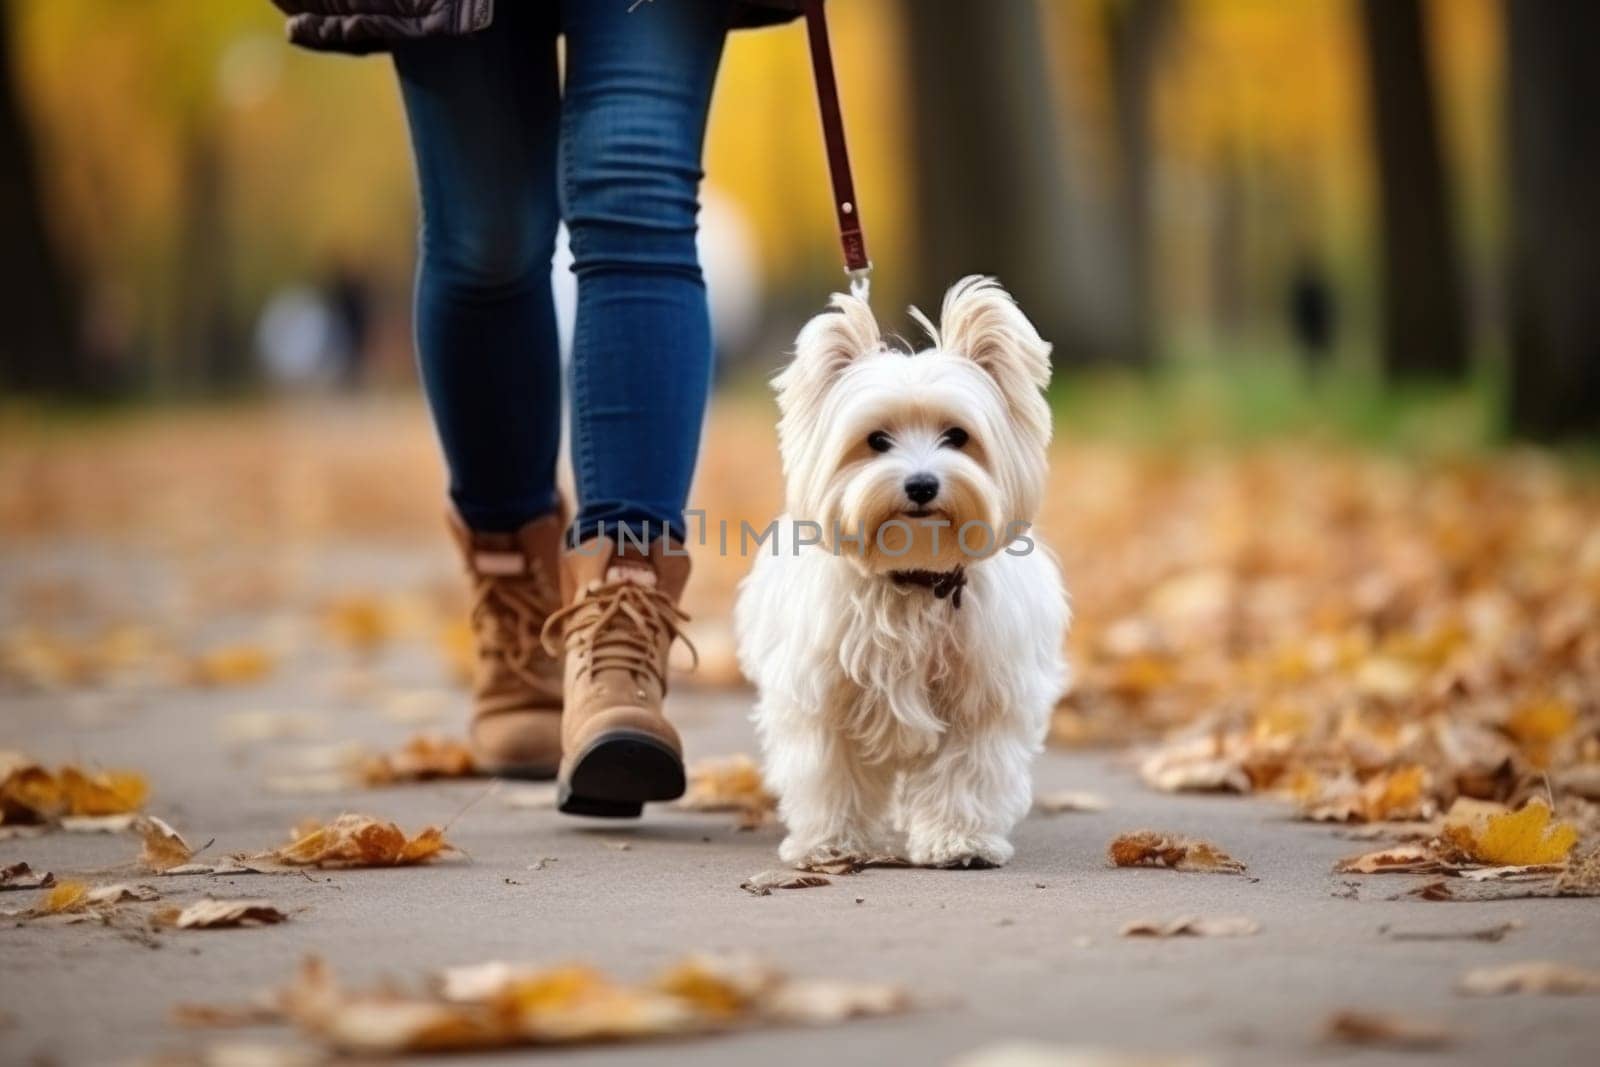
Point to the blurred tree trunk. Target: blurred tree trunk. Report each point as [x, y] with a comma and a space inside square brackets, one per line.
[1554, 162]
[1424, 315]
[207, 350]
[1135, 30]
[994, 180]
[39, 348]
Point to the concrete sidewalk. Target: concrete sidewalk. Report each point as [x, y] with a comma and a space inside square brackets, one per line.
[1028, 952]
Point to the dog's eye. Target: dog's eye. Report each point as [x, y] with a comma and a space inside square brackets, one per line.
[955, 437]
[879, 441]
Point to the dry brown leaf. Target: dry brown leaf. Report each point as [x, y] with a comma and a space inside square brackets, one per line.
[120, 893]
[164, 848]
[731, 784]
[1398, 859]
[854, 864]
[1200, 765]
[1582, 875]
[499, 1004]
[762, 885]
[22, 876]
[214, 914]
[1382, 1030]
[721, 986]
[1533, 976]
[1063, 801]
[358, 841]
[31, 794]
[425, 757]
[824, 1003]
[1151, 848]
[1193, 926]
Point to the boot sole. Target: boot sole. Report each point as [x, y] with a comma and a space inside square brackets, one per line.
[617, 774]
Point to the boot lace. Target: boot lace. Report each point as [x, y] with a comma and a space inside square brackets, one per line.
[508, 613]
[622, 624]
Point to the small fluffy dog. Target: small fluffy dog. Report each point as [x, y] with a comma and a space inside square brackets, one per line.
[905, 632]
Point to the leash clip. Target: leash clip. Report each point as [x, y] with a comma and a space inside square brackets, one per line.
[861, 283]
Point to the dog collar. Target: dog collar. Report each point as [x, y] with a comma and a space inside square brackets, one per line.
[943, 583]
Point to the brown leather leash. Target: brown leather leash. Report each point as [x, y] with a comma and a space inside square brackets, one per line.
[852, 239]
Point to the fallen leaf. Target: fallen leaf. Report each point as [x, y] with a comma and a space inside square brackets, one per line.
[722, 986]
[1200, 765]
[29, 793]
[1582, 875]
[1400, 859]
[214, 914]
[1151, 848]
[502, 1004]
[762, 885]
[1193, 926]
[1533, 976]
[1380, 1030]
[824, 1003]
[729, 784]
[359, 841]
[1064, 801]
[121, 893]
[22, 876]
[854, 864]
[65, 897]
[164, 848]
[1517, 838]
[424, 757]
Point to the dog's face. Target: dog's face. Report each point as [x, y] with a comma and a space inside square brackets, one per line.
[934, 459]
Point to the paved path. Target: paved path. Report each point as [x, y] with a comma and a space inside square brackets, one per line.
[1030, 951]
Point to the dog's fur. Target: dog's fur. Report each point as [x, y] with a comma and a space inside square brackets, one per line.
[885, 709]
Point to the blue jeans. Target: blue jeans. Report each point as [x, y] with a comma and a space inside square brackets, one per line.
[503, 154]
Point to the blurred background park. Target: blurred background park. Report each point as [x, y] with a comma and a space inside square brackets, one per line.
[1321, 276]
[1313, 207]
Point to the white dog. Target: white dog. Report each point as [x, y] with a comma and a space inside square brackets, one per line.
[904, 631]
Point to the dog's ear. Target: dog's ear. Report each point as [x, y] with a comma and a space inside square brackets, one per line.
[826, 346]
[979, 320]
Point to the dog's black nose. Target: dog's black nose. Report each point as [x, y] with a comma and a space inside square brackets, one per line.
[922, 488]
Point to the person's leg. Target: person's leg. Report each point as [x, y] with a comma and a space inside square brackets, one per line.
[483, 112]
[633, 120]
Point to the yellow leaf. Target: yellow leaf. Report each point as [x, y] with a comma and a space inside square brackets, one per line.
[1522, 838]
[65, 897]
[106, 793]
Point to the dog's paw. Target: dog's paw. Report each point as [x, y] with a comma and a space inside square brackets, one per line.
[960, 851]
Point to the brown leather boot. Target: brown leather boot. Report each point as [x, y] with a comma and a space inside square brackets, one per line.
[516, 694]
[619, 622]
